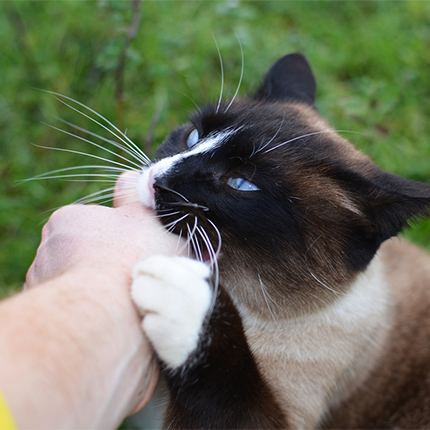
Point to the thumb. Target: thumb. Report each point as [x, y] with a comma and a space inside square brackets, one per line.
[126, 189]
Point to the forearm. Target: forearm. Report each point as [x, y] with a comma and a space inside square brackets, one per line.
[59, 344]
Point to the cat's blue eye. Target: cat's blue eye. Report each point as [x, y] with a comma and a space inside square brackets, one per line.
[193, 138]
[241, 184]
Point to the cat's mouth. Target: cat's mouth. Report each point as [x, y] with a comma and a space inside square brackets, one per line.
[175, 212]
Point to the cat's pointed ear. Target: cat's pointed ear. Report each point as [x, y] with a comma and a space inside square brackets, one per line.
[290, 78]
[384, 204]
[392, 202]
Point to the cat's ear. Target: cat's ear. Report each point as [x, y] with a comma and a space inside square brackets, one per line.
[383, 204]
[290, 78]
[391, 202]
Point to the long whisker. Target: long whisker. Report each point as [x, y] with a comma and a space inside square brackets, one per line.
[168, 214]
[72, 151]
[141, 160]
[120, 145]
[306, 135]
[265, 295]
[270, 141]
[214, 267]
[194, 242]
[189, 98]
[170, 190]
[47, 175]
[222, 73]
[208, 245]
[188, 205]
[214, 257]
[326, 286]
[122, 137]
[171, 226]
[95, 196]
[111, 178]
[212, 254]
[104, 196]
[218, 250]
[241, 75]
[138, 155]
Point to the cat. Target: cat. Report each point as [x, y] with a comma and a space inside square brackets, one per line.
[298, 308]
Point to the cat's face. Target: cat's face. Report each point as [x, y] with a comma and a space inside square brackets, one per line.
[299, 211]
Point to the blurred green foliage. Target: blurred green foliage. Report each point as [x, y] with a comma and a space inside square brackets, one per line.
[370, 57]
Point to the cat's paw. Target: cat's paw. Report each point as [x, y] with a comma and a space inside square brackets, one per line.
[173, 296]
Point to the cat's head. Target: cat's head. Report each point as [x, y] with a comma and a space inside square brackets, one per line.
[299, 210]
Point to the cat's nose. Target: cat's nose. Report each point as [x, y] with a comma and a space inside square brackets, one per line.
[159, 183]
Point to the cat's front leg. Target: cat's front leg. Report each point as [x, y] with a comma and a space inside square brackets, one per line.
[213, 378]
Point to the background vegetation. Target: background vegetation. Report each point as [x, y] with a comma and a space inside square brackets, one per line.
[144, 68]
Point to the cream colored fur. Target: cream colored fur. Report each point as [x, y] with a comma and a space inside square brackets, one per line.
[313, 361]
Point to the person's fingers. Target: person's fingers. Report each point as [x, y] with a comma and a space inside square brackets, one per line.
[126, 189]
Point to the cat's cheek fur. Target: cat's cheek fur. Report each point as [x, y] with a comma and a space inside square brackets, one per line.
[173, 296]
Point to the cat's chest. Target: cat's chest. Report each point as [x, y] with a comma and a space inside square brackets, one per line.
[314, 361]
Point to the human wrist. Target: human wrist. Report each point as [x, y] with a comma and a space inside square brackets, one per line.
[122, 365]
[88, 360]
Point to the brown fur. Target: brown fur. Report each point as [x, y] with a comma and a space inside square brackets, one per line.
[330, 314]
[397, 392]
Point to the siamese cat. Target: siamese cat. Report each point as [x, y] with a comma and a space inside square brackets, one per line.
[296, 308]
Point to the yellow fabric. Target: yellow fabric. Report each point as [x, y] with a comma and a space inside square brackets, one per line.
[7, 421]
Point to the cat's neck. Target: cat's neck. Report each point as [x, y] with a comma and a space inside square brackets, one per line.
[316, 360]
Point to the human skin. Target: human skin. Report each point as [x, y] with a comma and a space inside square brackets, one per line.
[72, 352]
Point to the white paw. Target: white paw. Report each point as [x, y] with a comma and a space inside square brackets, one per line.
[173, 297]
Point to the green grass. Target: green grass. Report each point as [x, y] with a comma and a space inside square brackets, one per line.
[371, 61]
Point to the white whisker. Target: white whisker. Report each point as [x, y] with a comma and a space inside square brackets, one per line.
[171, 226]
[222, 74]
[111, 178]
[306, 135]
[72, 151]
[111, 189]
[123, 137]
[194, 242]
[213, 255]
[168, 214]
[105, 195]
[326, 286]
[270, 141]
[53, 173]
[138, 166]
[241, 75]
[218, 250]
[136, 154]
[266, 295]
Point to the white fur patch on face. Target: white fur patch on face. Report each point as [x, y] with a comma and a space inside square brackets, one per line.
[173, 297]
[145, 189]
[208, 144]
[149, 174]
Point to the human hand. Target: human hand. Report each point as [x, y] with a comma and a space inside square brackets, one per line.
[110, 240]
[83, 243]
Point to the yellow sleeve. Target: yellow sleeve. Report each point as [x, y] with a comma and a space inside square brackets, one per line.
[7, 421]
